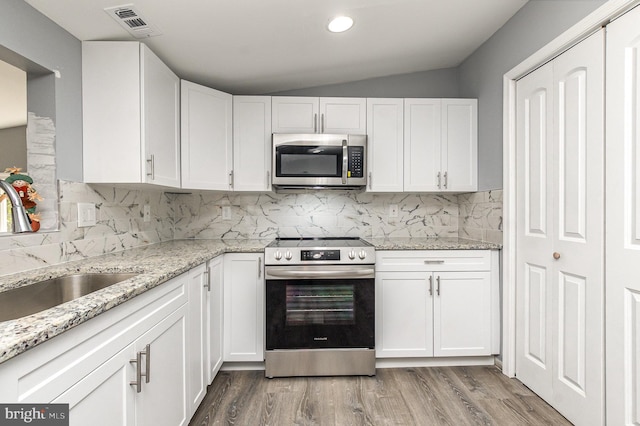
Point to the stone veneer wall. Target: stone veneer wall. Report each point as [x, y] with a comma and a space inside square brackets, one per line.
[267, 215]
[119, 226]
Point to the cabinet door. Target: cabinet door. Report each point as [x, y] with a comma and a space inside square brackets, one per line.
[422, 151]
[243, 307]
[206, 137]
[111, 95]
[459, 156]
[343, 115]
[623, 220]
[462, 313]
[215, 312]
[385, 132]
[161, 120]
[251, 143]
[105, 396]
[294, 114]
[197, 337]
[163, 399]
[404, 314]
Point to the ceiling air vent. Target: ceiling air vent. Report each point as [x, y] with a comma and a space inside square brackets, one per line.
[131, 20]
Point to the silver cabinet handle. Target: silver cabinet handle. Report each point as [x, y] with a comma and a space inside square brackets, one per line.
[268, 180]
[259, 267]
[321, 123]
[139, 374]
[370, 181]
[138, 381]
[147, 354]
[446, 179]
[431, 285]
[433, 262]
[439, 180]
[315, 123]
[438, 285]
[207, 280]
[152, 165]
[345, 165]
[231, 179]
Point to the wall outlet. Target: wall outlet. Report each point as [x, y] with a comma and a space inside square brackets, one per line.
[393, 210]
[226, 212]
[146, 213]
[86, 214]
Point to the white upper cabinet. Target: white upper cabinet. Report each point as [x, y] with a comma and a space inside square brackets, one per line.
[385, 138]
[131, 114]
[251, 143]
[441, 145]
[206, 138]
[296, 114]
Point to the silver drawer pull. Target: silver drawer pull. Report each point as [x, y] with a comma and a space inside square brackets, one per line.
[433, 262]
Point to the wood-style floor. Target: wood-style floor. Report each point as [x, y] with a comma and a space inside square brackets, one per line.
[400, 396]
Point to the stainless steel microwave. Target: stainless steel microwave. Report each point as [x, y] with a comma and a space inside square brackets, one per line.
[319, 161]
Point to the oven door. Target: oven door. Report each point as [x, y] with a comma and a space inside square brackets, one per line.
[315, 307]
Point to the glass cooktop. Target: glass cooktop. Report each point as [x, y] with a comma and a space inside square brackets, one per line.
[319, 242]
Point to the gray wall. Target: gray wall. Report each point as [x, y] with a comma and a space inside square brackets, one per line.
[31, 35]
[536, 24]
[442, 83]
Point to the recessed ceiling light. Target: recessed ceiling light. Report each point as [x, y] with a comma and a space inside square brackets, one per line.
[340, 24]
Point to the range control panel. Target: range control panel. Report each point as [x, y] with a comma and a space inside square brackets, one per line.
[320, 254]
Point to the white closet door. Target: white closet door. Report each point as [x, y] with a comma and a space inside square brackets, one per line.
[623, 220]
[560, 250]
[534, 230]
[578, 281]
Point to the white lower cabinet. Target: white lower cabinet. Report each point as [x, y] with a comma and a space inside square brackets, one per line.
[436, 303]
[94, 366]
[243, 307]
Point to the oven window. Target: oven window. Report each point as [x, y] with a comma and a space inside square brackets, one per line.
[308, 165]
[320, 304]
[308, 161]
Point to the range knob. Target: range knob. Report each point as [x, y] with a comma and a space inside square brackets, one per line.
[352, 254]
[277, 255]
[288, 255]
[362, 254]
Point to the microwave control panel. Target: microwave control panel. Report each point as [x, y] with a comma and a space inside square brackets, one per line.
[355, 162]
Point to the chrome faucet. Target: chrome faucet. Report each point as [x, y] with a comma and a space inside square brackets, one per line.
[19, 214]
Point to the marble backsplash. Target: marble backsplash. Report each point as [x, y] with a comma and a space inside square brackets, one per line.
[199, 215]
[320, 213]
[119, 226]
[481, 216]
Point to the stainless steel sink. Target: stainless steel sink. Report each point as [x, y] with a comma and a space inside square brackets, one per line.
[46, 294]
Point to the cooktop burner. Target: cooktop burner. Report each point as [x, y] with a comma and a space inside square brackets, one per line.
[327, 250]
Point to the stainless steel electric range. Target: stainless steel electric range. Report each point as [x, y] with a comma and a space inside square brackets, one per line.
[320, 300]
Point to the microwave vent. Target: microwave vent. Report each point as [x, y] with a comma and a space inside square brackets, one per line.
[130, 18]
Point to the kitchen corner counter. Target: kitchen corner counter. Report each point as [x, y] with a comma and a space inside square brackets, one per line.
[431, 244]
[154, 263]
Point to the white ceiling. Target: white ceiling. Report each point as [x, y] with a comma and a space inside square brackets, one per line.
[262, 46]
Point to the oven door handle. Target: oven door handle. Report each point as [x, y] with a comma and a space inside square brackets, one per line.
[307, 274]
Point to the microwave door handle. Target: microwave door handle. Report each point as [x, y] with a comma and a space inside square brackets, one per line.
[345, 152]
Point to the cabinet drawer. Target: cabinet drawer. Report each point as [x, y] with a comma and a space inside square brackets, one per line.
[433, 260]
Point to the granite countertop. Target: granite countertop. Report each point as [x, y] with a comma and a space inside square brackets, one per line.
[155, 264]
[441, 243]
